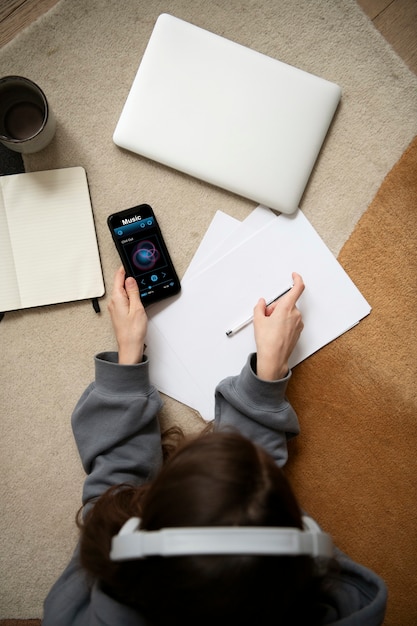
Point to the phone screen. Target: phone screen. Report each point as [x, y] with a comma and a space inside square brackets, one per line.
[143, 252]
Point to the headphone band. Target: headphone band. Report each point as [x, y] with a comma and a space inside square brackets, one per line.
[132, 543]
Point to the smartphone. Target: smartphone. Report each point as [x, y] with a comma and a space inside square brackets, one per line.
[143, 252]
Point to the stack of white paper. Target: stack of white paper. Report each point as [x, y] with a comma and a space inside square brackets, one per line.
[235, 265]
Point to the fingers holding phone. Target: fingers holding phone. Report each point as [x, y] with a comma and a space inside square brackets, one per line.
[128, 317]
[143, 252]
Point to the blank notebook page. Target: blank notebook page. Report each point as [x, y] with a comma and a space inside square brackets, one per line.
[49, 251]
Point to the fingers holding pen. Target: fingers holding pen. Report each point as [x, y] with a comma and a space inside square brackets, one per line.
[277, 330]
[289, 300]
[298, 287]
[287, 306]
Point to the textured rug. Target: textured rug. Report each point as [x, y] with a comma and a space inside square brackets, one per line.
[354, 465]
[85, 56]
[20, 622]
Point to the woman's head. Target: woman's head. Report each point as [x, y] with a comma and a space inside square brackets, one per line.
[220, 479]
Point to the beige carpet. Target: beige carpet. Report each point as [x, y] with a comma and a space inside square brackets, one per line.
[85, 56]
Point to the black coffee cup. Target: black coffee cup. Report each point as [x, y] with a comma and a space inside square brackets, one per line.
[27, 123]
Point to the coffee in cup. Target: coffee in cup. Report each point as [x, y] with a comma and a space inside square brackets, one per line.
[27, 123]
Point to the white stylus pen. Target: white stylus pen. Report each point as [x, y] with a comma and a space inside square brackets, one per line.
[236, 329]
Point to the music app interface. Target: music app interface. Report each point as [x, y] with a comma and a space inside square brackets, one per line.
[147, 257]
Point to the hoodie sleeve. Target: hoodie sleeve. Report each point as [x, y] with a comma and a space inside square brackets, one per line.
[116, 429]
[115, 426]
[76, 601]
[258, 409]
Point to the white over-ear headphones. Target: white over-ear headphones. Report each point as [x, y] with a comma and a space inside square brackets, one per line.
[132, 543]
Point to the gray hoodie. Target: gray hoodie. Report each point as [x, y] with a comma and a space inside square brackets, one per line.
[116, 419]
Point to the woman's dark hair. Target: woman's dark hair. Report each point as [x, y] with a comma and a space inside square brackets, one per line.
[219, 479]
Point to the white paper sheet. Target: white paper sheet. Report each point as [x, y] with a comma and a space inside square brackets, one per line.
[167, 370]
[222, 237]
[224, 294]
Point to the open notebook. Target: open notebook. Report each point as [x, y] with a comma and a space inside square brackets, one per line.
[48, 246]
[226, 114]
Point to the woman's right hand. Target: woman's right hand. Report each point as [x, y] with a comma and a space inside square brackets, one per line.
[277, 330]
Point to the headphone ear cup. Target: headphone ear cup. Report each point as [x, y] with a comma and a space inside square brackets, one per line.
[131, 526]
[321, 563]
[310, 524]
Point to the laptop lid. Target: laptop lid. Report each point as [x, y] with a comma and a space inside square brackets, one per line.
[226, 114]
